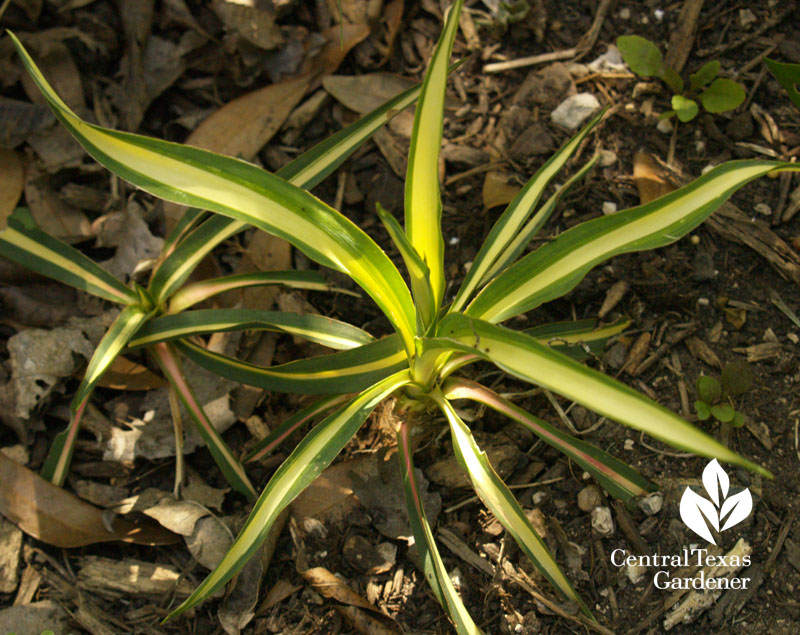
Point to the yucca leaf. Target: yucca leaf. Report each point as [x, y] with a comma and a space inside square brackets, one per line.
[314, 453]
[59, 457]
[126, 324]
[192, 294]
[524, 357]
[423, 202]
[29, 246]
[342, 372]
[418, 271]
[617, 478]
[570, 338]
[240, 190]
[501, 502]
[316, 328]
[432, 565]
[579, 338]
[557, 266]
[190, 219]
[532, 227]
[288, 427]
[306, 171]
[508, 226]
[229, 465]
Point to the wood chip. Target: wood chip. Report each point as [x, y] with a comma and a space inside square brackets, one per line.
[700, 350]
[118, 578]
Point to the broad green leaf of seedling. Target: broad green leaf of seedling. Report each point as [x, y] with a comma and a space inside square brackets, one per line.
[722, 95]
[685, 108]
[704, 76]
[641, 55]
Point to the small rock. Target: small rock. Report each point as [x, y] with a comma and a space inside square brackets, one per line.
[664, 125]
[658, 14]
[574, 110]
[602, 522]
[607, 158]
[763, 208]
[628, 445]
[608, 62]
[652, 503]
[534, 140]
[635, 572]
[740, 127]
[625, 13]
[792, 337]
[746, 18]
[609, 207]
[539, 497]
[589, 498]
[703, 302]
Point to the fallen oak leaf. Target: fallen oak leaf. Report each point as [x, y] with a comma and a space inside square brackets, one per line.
[53, 515]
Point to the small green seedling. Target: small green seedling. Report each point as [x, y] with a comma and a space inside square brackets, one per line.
[716, 94]
[716, 396]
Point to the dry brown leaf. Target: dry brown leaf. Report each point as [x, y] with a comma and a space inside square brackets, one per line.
[254, 21]
[700, 350]
[52, 215]
[265, 252]
[329, 586]
[364, 93]
[19, 120]
[53, 515]
[123, 374]
[393, 18]
[497, 190]
[651, 180]
[12, 182]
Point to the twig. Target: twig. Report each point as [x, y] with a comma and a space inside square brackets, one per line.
[499, 67]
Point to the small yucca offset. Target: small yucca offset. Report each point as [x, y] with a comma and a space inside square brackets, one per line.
[435, 337]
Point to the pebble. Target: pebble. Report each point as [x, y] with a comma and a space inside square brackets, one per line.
[539, 497]
[609, 207]
[746, 18]
[589, 498]
[792, 337]
[763, 208]
[616, 355]
[664, 125]
[652, 503]
[574, 110]
[628, 445]
[625, 13]
[635, 572]
[607, 158]
[602, 522]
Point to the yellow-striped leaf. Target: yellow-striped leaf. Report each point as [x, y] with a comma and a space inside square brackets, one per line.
[556, 267]
[423, 202]
[526, 358]
[501, 502]
[29, 246]
[240, 190]
[229, 465]
[316, 328]
[314, 453]
[432, 565]
[504, 232]
[342, 372]
[616, 477]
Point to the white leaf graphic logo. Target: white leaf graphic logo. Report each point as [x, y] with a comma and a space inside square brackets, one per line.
[698, 512]
[739, 505]
[715, 479]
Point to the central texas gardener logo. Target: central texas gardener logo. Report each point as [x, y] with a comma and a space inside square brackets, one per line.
[698, 513]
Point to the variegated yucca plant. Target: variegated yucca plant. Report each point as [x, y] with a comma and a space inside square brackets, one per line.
[421, 364]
